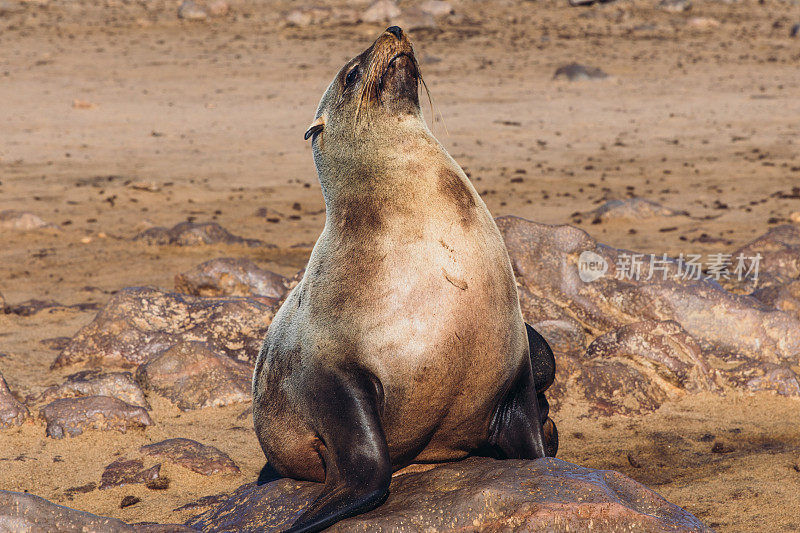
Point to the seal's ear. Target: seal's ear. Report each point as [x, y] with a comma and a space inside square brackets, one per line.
[314, 128]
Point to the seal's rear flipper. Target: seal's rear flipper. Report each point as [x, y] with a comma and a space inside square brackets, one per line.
[543, 361]
[357, 465]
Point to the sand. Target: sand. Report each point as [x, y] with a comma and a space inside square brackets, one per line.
[97, 100]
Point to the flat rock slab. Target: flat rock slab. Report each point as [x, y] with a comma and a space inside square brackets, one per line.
[630, 209]
[141, 322]
[128, 472]
[195, 234]
[12, 412]
[197, 457]
[230, 276]
[192, 375]
[476, 494]
[72, 416]
[26, 512]
[120, 385]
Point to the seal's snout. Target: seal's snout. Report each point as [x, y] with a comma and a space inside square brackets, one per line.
[396, 31]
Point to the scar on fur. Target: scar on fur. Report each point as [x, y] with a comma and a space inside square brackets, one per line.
[459, 283]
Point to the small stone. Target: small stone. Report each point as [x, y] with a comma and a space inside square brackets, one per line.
[795, 31]
[197, 457]
[120, 385]
[83, 104]
[12, 412]
[129, 500]
[189, 10]
[675, 6]
[381, 11]
[576, 72]
[71, 416]
[229, 276]
[193, 376]
[22, 221]
[703, 23]
[416, 19]
[128, 472]
[149, 186]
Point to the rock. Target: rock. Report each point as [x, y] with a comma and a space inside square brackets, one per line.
[795, 31]
[23, 221]
[139, 323]
[33, 306]
[128, 472]
[307, 16]
[779, 249]
[476, 494]
[71, 416]
[197, 457]
[119, 385]
[675, 6]
[576, 3]
[635, 368]
[26, 512]
[189, 10]
[12, 412]
[551, 261]
[228, 276]
[703, 23]
[575, 72]
[437, 8]
[784, 297]
[565, 337]
[630, 209]
[55, 343]
[381, 11]
[195, 234]
[193, 376]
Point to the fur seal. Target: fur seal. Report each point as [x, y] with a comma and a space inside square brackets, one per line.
[404, 342]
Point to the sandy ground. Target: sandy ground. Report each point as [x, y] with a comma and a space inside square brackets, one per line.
[213, 113]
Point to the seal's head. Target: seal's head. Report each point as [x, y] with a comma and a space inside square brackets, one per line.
[371, 98]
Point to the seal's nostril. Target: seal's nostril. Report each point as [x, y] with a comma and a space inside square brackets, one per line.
[396, 31]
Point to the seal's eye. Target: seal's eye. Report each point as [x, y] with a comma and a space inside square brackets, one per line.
[352, 76]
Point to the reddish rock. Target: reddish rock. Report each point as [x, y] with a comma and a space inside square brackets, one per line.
[128, 472]
[26, 512]
[228, 276]
[71, 416]
[779, 249]
[192, 375]
[545, 259]
[195, 234]
[139, 323]
[785, 297]
[476, 494]
[12, 412]
[197, 457]
[636, 368]
[118, 385]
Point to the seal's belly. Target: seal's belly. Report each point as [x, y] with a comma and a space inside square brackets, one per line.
[444, 338]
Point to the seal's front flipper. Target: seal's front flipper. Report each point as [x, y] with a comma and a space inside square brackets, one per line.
[347, 407]
[543, 361]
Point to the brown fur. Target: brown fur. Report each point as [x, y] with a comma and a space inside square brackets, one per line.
[409, 282]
